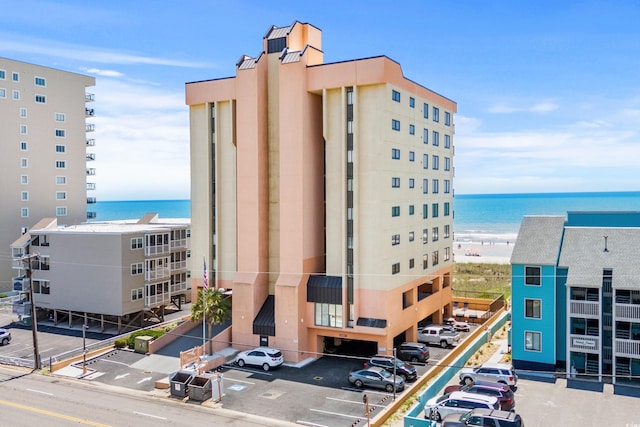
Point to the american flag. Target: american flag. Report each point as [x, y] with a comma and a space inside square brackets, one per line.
[205, 281]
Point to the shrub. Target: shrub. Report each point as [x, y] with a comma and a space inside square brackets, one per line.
[120, 343]
[154, 333]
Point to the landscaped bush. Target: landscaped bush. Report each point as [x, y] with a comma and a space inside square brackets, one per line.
[120, 343]
[154, 333]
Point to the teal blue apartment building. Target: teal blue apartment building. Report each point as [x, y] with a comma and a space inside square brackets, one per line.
[576, 295]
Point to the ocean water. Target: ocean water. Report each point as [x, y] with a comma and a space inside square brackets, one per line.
[478, 217]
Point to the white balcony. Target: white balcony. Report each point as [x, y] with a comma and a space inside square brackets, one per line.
[178, 287]
[628, 312]
[90, 127]
[178, 265]
[156, 250]
[158, 273]
[628, 348]
[588, 309]
[179, 243]
[584, 343]
[158, 299]
[89, 97]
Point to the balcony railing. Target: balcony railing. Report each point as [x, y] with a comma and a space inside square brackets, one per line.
[627, 311]
[628, 348]
[89, 112]
[158, 273]
[91, 142]
[89, 97]
[92, 215]
[91, 171]
[584, 343]
[90, 127]
[178, 265]
[91, 156]
[91, 200]
[156, 250]
[178, 287]
[153, 300]
[179, 243]
[584, 308]
[91, 185]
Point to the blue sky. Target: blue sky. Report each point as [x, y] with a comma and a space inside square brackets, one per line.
[548, 92]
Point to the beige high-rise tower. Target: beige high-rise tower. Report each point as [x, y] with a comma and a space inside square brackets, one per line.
[46, 148]
[322, 195]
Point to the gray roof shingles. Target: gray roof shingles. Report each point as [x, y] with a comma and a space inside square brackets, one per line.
[538, 240]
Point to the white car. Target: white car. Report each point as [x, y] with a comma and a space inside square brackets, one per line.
[494, 372]
[265, 357]
[457, 402]
[5, 336]
[461, 326]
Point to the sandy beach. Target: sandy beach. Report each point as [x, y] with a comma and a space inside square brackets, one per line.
[483, 252]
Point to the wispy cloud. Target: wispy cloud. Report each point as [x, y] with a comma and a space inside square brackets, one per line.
[102, 73]
[542, 107]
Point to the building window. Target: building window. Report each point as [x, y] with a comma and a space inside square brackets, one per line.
[532, 276]
[412, 156]
[532, 341]
[23, 129]
[447, 118]
[447, 253]
[3, 92]
[16, 95]
[24, 179]
[23, 113]
[411, 182]
[436, 114]
[447, 231]
[61, 180]
[425, 161]
[425, 110]
[24, 196]
[447, 164]
[434, 186]
[395, 268]
[61, 195]
[41, 99]
[434, 210]
[425, 136]
[395, 211]
[137, 294]
[395, 182]
[60, 133]
[435, 163]
[425, 211]
[434, 234]
[16, 77]
[435, 258]
[447, 186]
[59, 117]
[3, 74]
[395, 124]
[395, 153]
[137, 243]
[425, 236]
[23, 145]
[395, 95]
[436, 138]
[61, 211]
[40, 81]
[328, 315]
[425, 261]
[60, 148]
[412, 263]
[60, 164]
[532, 308]
[446, 208]
[412, 130]
[411, 236]
[425, 186]
[411, 209]
[447, 141]
[137, 268]
[395, 240]
[24, 212]
[412, 102]
[24, 162]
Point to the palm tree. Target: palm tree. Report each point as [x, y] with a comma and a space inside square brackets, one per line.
[215, 307]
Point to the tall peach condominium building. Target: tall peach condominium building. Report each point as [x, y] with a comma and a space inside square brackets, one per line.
[322, 196]
[46, 151]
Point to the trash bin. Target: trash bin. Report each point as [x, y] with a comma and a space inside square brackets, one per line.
[180, 383]
[200, 389]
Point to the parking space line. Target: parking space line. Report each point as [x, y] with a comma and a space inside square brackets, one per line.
[238, 381]
[356, 402]
[249, 370]
[335, 413]
[310, 424]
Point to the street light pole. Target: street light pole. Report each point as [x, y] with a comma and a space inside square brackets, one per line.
[84, 346]
[34, 323]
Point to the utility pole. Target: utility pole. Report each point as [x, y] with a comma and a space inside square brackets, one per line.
[84, 346]
[34, 323]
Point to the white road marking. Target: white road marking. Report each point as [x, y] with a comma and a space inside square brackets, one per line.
[40, 392]
[238, 381]
[307, 423]
[149, 415]
[119, 377]
[114, 361]
[357, 402]
[334, 413]
[144, 380]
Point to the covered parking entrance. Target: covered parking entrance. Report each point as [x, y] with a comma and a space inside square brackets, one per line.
[349, 347]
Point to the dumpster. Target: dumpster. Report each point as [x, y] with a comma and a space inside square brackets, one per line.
[200, 389]
[180, 383]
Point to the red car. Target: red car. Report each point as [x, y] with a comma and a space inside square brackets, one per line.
[503, 392]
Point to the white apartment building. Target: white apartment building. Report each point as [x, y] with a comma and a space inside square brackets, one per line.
[117, 273]
[46, 143]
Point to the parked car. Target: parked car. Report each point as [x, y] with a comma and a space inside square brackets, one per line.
[266, 357]
[438, 335]
[406, 371]
[376, 377]
[484, 417]
[458, 402]
[461, 326]
[503, 392]
[493, 372]
[5, 336]
[413, 352]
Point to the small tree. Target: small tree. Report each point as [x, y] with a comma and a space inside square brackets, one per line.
[215, 307]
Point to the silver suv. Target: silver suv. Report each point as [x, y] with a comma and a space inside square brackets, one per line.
[494, 372]
[458, 402]
[484, 417]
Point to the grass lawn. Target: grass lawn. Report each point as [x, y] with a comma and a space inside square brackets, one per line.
[481, 280]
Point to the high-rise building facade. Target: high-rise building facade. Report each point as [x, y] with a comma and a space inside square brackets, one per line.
[46, 145]
[322, 195]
